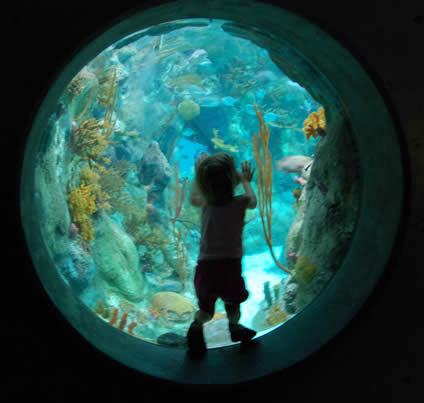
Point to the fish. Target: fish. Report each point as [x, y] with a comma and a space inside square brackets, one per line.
[205, 62]
[265, 76]
[270, 117]
[188, 132]
[293, 163]
[198, 53]
[209, 102]
[229, 101]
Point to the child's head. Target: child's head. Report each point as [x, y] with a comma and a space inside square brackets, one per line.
[217, 177]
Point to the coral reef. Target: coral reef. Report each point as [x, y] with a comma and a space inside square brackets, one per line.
[276, 316]
[297, 192]
[101, 310]
[179, 196]
[265, 182]
[188, 109]
[82, 205]
[315, 125]
[305, 270]
[267, 293]
[173, 306]
[155, 172]
[117, 260]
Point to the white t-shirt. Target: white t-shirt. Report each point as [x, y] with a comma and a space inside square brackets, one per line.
[221, 229]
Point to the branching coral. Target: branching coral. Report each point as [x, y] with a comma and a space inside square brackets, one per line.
[179, 236]
[89, 177]
[314, 125]
[179, 195]
[91, 136]
[138, 227]
[265, 182]
[82, 205]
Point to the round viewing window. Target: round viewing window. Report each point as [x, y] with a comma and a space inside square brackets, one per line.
[109, 167]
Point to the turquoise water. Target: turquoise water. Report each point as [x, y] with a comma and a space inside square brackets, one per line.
[126, 133]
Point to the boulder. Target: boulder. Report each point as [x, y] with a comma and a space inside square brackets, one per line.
[116, 259]
[155, 172]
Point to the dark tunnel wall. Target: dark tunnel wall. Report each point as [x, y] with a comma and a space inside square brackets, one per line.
[359, 350]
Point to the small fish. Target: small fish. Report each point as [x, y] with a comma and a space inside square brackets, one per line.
[205, 62]
[270, 117]
[293, 163]
[229, 101]
[209, 102]
[188, 132]
[198, 53]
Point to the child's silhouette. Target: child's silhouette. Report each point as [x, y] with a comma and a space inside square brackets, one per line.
[218, 271]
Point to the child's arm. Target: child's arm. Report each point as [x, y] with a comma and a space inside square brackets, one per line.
[246, 177]
[196, 197]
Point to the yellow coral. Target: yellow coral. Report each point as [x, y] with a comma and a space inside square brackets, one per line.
[82, 204]
[305, 270]
[315, 121]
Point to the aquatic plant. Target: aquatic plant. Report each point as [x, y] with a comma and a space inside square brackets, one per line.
[91, 136]
[314, 125]
[180, 238]
[82, 204]
[264, 176]
[179, 195]
[137, 225]
[305, 270]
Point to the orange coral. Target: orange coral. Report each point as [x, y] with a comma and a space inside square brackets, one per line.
[123, 321]
[114, 316]
[297, 192]
[131, 328]
[314, 123]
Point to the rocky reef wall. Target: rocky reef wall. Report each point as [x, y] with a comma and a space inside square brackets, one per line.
[326, 213]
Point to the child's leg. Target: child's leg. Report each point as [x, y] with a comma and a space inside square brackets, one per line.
[202, 317]
[233, 312]
[238, 332]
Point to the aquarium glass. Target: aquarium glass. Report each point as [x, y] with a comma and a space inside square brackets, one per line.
[113, 180]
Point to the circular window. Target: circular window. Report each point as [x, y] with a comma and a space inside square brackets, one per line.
[110, 163]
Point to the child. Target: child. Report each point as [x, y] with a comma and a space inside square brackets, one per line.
[218, 271]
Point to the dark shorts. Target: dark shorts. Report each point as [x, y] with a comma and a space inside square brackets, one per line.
[219, 279]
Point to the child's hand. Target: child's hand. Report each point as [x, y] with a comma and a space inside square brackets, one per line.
[199, 159]
[247, 171]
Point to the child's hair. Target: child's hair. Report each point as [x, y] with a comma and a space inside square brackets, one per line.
[216, 177]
